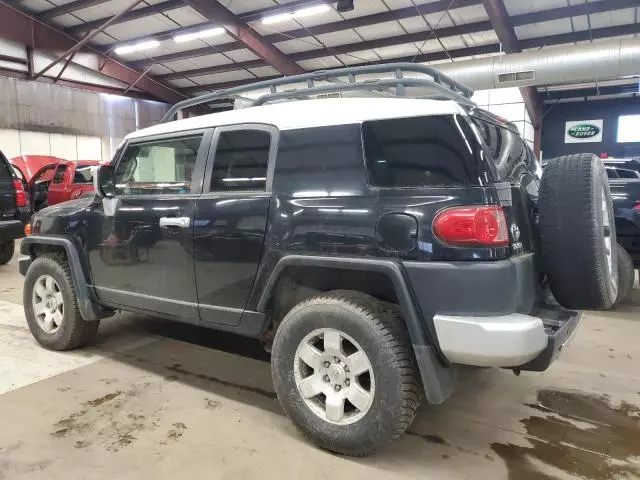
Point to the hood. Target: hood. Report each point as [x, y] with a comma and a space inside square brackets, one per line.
[31, 165]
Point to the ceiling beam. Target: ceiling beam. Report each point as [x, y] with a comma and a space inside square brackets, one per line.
[69, 8]
[426, 57]
[342, 49]
[20, 27]
[584, 35]
[168, 5]
[571, 11]
[219, 15]
[499, 18]
[132, 15]
[331, 27]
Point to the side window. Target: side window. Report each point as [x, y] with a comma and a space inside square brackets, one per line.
[157, 167]
[240, 162]
[506, 147]
[611, 173]
[429, 151]
[82, 175]
[59, 175]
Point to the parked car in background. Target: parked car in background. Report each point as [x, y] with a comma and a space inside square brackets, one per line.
[71, 180]
[623, 168]
[626, 203]
[37, 172]
[14, 209]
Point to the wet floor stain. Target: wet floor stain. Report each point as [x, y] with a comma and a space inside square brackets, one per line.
[437, 439]
[106, 398]
[581, 434]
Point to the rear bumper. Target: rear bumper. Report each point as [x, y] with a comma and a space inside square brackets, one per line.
[490, 314]
[10, 230]
[526, 342]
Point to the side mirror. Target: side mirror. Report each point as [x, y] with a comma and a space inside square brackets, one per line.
[104, 181]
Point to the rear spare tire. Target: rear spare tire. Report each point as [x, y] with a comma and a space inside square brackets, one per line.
[626, 276]
[577, 232]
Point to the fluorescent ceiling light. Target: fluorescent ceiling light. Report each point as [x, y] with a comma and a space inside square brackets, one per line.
[210, 32]
[315, 10]
[136, 47]
[303, 12]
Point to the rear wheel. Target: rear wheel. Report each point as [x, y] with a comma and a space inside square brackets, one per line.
[577, 232]
[51, 306]
[6, 252]
[344, 372]
[626, 275]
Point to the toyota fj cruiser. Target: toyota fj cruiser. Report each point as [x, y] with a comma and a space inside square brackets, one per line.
[374, 244]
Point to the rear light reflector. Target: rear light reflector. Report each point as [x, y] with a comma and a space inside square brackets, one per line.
[21, 196]
[637, 207]
[27, 229]
[468, 226]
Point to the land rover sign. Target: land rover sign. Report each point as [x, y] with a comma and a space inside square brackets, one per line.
[583, 131]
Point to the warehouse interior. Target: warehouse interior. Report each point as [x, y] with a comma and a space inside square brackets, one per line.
[153, 397]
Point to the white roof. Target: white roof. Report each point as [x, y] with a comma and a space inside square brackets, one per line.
[310, 113]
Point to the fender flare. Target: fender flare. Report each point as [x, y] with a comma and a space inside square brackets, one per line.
[87, 302]
[418, 329]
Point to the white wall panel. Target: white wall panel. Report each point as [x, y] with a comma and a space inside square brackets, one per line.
[10, 142]
[89, 148]
[63, 146]
[34, 143]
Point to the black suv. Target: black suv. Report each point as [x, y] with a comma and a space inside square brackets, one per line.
[373, 244]
[14, 209]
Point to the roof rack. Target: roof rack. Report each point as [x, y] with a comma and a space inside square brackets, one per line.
[443, 85]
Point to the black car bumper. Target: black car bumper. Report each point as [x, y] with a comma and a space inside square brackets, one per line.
[23, 265]
[10, 230]
[490, 314]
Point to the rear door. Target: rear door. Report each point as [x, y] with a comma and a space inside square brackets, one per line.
[7, 193]
[231, 219]
[144, 255]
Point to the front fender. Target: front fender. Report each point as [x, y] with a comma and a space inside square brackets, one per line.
[87, 302]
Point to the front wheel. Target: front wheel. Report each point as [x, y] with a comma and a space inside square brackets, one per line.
[344, 372]
[51, 306]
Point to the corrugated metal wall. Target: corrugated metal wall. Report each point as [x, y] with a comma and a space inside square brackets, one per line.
[32, 110]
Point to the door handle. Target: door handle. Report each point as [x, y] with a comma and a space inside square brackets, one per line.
[182, 222]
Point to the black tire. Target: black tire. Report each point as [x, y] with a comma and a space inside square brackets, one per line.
[74, 331]
[572, 233]
[6, 252]
[626, 276]
[380, 332]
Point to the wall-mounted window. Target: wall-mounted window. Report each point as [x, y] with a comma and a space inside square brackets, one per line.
[628, 128]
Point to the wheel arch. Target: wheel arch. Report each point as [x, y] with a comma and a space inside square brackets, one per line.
[36, 245]
[438, 377]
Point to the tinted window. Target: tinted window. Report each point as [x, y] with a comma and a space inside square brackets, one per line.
[321, 161]
[422, 151]
[5, 173]
[241, 160]
[163, 166]
[82, 175]
[624, 173]
[506, 147]
[59, 176]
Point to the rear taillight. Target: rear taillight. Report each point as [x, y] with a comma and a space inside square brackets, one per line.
[21, 196]
[467, 226]
[637, 207]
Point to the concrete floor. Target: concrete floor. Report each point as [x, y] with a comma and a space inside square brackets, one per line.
[159, 400]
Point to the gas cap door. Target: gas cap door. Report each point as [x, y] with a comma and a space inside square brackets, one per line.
[397, 232]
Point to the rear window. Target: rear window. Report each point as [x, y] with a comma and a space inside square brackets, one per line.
[429, 151]
[507, 149]
[82, 175]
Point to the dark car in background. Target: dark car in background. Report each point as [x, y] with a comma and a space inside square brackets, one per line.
[15, 209]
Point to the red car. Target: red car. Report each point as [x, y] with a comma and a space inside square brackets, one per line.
[71, 180]
[36, 172]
